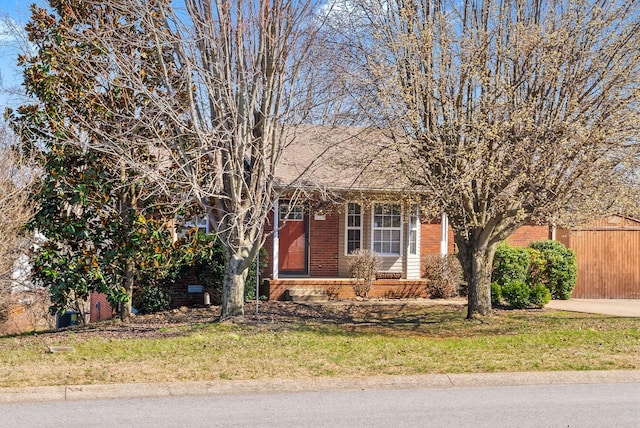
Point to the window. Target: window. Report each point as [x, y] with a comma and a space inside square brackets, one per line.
[291, 212]
[201, 222]
[413, 231]
[387, 228]
[354, 227]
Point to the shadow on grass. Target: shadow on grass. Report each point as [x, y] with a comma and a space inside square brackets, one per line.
[388, 318]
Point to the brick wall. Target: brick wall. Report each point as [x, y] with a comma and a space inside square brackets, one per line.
[180, 295]
[100, 308]
[527, 234]
[430, 236]
[323, 245]
[342, 288]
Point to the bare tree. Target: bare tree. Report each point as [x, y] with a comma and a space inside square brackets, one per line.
[505, 111]
[229, 81]
[16, 209]
[13, 41]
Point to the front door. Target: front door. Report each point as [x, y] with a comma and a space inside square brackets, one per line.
[293, 239]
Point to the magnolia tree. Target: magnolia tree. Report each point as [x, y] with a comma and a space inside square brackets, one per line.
[505, 111]
[216, 86]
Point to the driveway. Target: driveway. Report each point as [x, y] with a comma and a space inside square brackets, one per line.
[615, 307]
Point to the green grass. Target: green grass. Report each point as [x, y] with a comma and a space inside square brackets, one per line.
[416, 341]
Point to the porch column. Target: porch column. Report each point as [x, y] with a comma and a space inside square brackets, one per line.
[444, 235]
[276, 239]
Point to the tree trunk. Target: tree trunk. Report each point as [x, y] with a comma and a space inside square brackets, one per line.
[127, 284]
[233, 288]
[477, 262]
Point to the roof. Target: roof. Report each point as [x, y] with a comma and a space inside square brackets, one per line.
[340, 158]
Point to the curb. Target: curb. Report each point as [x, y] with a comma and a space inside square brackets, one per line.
[273, 386]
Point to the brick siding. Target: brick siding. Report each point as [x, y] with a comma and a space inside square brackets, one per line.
[342, 289]
[180, 295]
[430, 238]
[525, 235]
[100, 309]
[323, 246]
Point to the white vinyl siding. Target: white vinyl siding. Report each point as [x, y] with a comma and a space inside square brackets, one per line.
[412, 258]
[413, 231]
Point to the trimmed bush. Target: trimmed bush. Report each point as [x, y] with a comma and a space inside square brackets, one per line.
[510, 264]
[516, 294]
[537, 265]
[561, 269]
[496, 294]
[543, 265]
[539, 295]
[443, 274]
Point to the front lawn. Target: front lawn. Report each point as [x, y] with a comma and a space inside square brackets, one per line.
[294, 341]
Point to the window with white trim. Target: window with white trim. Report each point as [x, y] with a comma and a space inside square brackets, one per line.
[199, 222]
[353, 228]
[293, 212]
[387, 229]
[413, 231]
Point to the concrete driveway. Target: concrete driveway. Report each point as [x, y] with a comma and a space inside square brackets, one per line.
[615, 307]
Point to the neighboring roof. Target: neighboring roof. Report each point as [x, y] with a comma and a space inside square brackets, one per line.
[340, 158]
[611, 221]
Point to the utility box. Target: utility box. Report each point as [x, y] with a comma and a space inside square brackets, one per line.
[67, 319]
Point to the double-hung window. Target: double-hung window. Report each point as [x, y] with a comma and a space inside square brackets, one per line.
[387, 228]
[353, 227]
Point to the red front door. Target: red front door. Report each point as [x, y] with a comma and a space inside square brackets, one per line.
[293, 241]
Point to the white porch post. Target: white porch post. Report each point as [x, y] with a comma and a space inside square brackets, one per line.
[276, 239]
[444, 235]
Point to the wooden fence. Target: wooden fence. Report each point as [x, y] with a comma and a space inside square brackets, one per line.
[608, 253]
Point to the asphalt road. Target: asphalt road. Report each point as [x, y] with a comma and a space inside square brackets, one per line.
[575, 405]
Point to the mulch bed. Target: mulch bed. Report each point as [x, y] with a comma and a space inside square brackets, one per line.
[272, 313]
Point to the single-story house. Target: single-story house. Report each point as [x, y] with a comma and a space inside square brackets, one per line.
[347, 197]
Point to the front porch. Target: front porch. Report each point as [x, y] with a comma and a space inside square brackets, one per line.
[340, 288]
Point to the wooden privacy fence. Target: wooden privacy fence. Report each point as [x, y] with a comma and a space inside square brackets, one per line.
[608, 253]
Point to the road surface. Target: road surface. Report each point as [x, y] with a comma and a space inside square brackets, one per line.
[578, 405]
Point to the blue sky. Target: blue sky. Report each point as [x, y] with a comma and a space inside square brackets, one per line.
[18, 12]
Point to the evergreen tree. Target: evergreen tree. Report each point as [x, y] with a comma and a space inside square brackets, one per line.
[103, 227]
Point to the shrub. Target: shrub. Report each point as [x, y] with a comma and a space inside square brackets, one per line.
[537, 265]
[560, 271]
[510, 264]
[496, 294]
[152, 298]
[207, 260]
[516, 294]
[539, 295]
[363, 265]
[443, 275]
[528, 266]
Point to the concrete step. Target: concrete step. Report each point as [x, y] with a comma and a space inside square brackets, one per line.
[299, 295]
